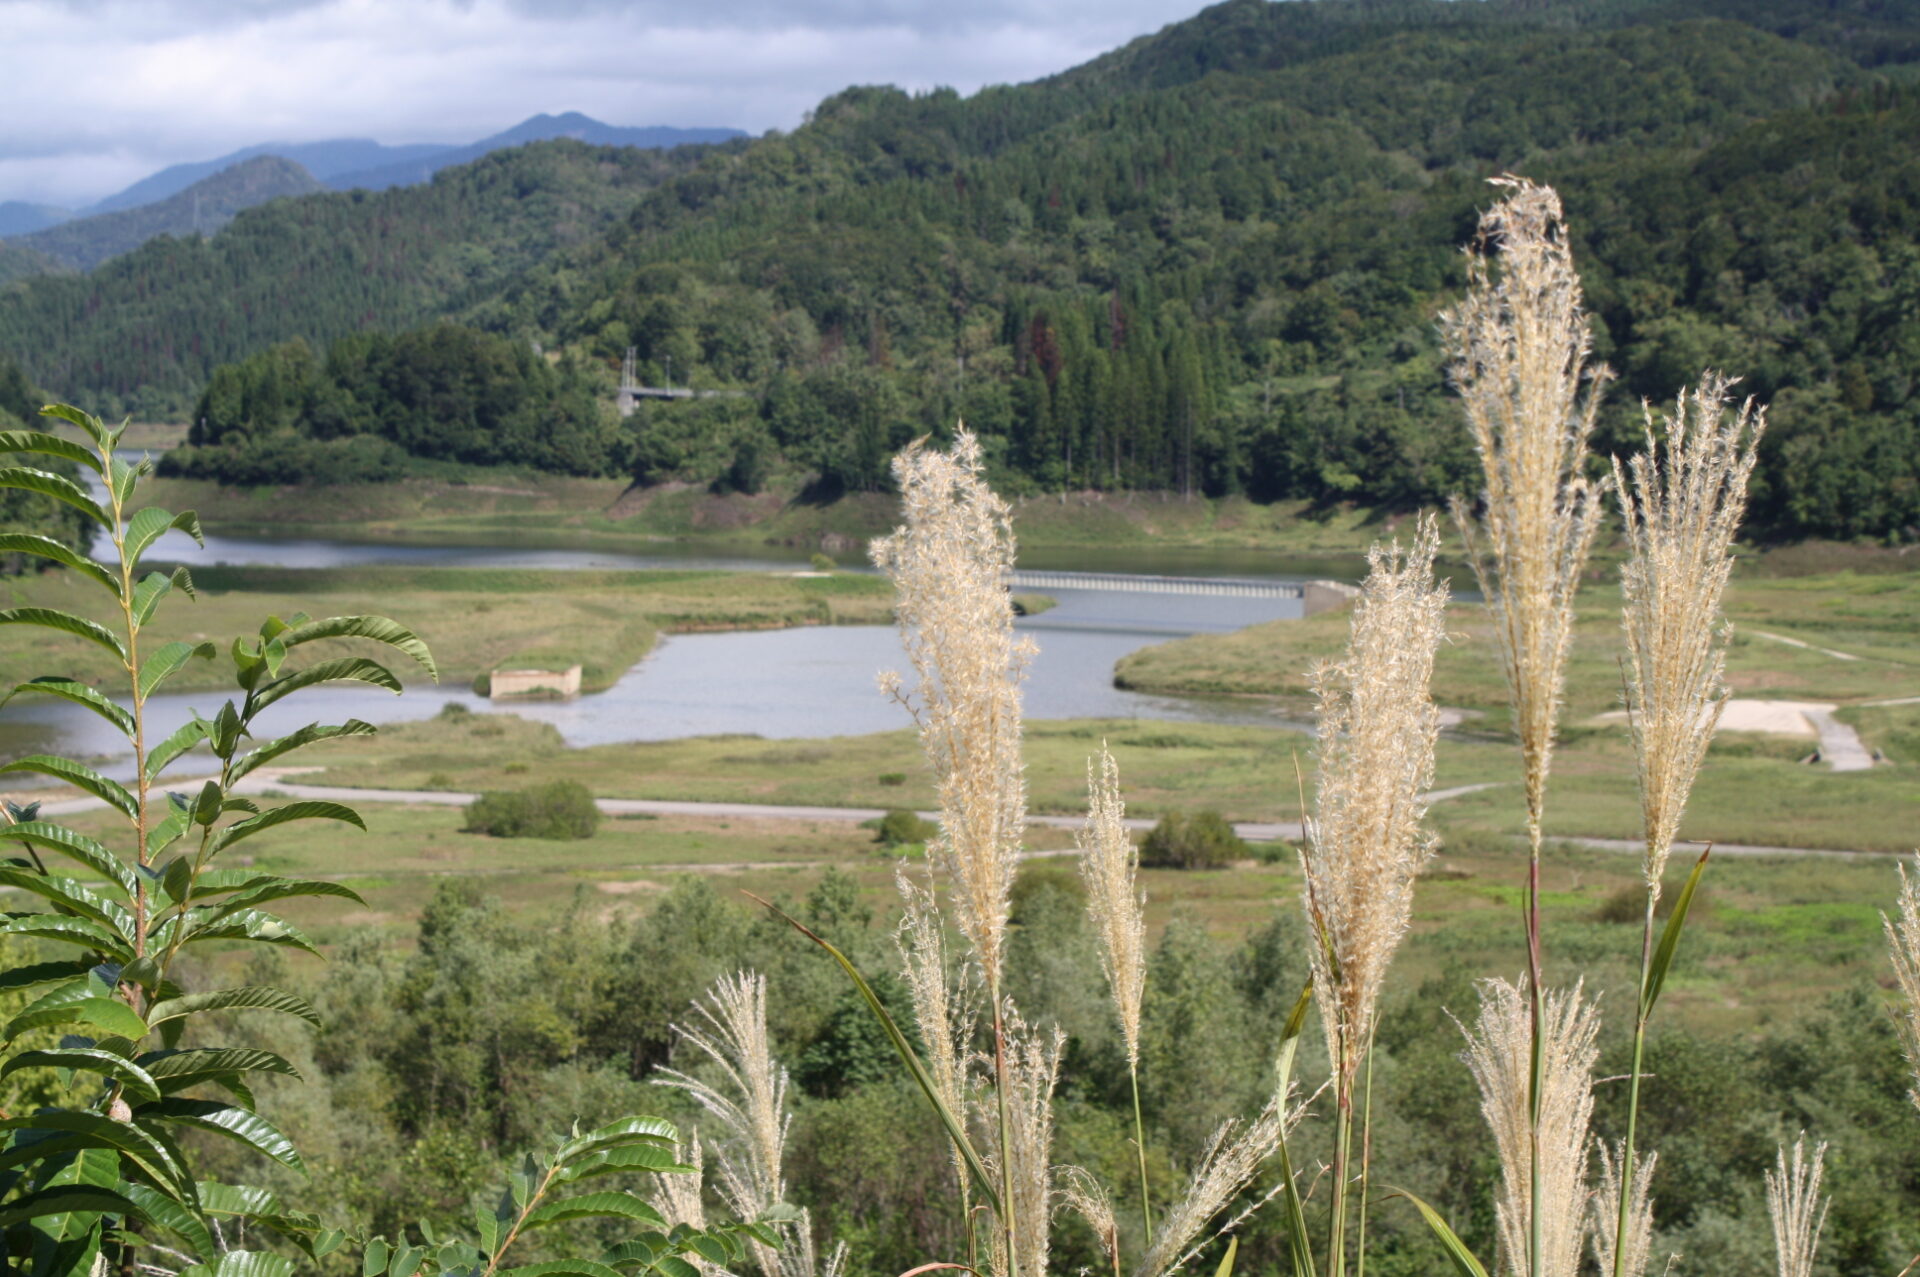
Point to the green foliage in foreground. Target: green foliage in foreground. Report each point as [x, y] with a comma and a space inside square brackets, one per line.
[110, 1174]
[560, 809]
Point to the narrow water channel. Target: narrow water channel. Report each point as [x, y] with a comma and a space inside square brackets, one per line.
[813, 681]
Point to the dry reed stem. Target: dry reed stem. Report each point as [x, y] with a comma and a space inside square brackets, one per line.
[678, 1198]
[1681, 502]
[1108, 864]
[1033, 1069]
[950, 563]
[1499, 1052]
[1519, 344]
[1798, 1210]
[1605, 1218]
[1364, 845]
[1903, 945]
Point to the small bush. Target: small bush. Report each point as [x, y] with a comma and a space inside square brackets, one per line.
[483, 684]
[560, 809]
[893, 779]
[516, 769]
[439, 780]
[821, 563]
[453, 711]
[900, 827]
[1203, 840]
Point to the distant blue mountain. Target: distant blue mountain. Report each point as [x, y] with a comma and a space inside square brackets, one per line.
[17, 217]
[322, 159]
[407, 170]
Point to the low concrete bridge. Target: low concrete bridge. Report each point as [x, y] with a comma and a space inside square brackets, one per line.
[1317, 596]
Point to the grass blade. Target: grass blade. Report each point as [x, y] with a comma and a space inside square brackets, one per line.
[955, 1131]
[1670, 937]
[1463, 1261]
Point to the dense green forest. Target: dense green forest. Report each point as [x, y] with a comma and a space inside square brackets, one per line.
[377, 402]
[1206, 262]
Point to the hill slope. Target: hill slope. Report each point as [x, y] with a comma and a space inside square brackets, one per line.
[540, 128]
[201, 209]
[142, 332]
[322, 159]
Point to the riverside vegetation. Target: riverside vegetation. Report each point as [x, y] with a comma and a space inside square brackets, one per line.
[443, 1063]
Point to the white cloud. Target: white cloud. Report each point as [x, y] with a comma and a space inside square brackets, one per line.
[96, 93]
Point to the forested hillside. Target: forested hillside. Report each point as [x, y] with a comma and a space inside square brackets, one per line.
[141, 333]
[1208, 261]
[201, 209]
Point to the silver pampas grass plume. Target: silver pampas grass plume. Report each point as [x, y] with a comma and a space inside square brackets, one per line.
[1681, 502]
[1499, 1052]
[950, 562]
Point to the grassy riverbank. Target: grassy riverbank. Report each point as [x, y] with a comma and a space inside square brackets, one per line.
[1753, 790]
[474, 619]
[1856, 630]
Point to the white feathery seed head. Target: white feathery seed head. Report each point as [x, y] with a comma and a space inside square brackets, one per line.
[1605, 1221]
[1519, 344]
[950, 562]
[1365, 844]
[1903, 945]
[1033, 1069]
[1499, 1052]
[1681, 502]
[1108, 864]
[1232, 1157]
[1799, 1211]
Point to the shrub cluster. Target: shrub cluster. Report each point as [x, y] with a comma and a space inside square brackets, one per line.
[1203, 840]
[559, 809]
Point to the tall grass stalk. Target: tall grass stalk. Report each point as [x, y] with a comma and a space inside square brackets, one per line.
[1109, 863]
[1519, 346]
[1681, 503]
[950, 562]
[1903, 945]
[1798, 1210]
[1365, 845]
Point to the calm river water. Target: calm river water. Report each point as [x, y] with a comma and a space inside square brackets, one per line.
[816, 681]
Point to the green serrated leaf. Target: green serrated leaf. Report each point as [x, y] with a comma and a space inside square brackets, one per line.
[168, 660]
[375, 628]
[251, 997]
[111, 792]
[307, 735]
[48, 618]
[345, 669]
[80, 694]
[134, 1079]
[84, 932]
[150, 524]
[179, 742]
[58, 552]
[63, 1201]
[593, 1206]
[305, 810]
[221, 1119]
[81, 1002]
[59, 487]
[88, 424]
[74, 846]
[48, 445]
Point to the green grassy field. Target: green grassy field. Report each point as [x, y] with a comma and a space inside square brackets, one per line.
[475, 620]
[1770, 935]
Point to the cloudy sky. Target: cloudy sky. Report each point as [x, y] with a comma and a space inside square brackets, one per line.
[95, 94]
